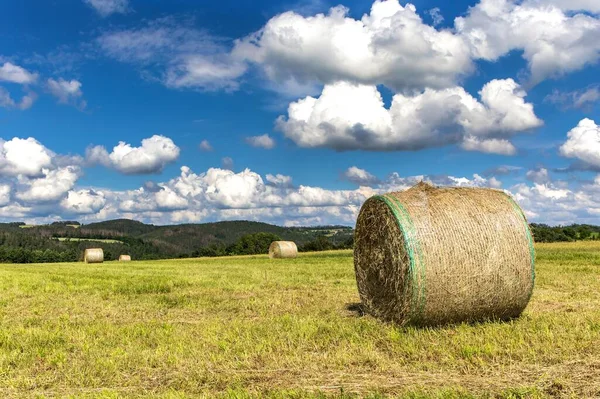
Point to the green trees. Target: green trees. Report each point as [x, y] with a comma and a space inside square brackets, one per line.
[255, 243]
[545, 233]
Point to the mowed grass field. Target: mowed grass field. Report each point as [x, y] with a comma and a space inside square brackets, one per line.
[253, 327]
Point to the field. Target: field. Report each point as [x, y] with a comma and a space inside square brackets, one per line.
[105, 240]
[248, 326]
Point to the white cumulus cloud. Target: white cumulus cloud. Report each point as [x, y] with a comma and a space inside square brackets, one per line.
[52, 186]
[83, 202]
[353, 117]
[265, 141]
[360, 176]
[391, 45]
[151, 157]
[583, 143]
[539, 176]
[67, 91]
[553, 41]
[5, 191]
[26, 157]
[279, 180]
[15, 74]
[491, 146]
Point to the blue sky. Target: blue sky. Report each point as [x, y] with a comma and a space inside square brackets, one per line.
[294, 112]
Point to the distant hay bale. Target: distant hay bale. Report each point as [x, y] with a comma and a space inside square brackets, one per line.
[428, 256]
[283, 249]
[93, 255]
[124, 258]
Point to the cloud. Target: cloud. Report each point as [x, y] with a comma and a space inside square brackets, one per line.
[27, 157]
[264, 141]
[502, 170]
[390, 46]
[16, 74]
[558, 204]
[227, 163]
[490, 146]
[436, 16]
[570, 5]
[67, 92]
[353, 117]
[167, 199]
[52, 186]
[5, 191]
[151, 157]
[575, 99]
[360, 177]
[219, 194]
[213, 72]
[205, 146]
[552, 41]
[6, 100]
[539, 176]
[83, 202]
[185, 57]
[279, 180]
[108, 7]
[583, 143]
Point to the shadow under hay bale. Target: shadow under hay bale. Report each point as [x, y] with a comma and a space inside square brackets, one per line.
[283, 249]
[429, 256]
[356, 309]
[93, 255]
[124, 258]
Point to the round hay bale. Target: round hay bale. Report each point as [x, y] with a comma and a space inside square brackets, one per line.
[124, 258]
[283, 249]
[428, 256]
[93, 255]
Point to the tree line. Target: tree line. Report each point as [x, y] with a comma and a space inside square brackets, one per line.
[258, 243]
[574, 232]
[20, 247]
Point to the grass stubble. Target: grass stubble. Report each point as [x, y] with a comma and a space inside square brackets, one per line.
[252, 327]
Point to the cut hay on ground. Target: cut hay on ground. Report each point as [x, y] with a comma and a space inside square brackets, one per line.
[428, 256]
[93, 255]
[283, 249]
[124, 258]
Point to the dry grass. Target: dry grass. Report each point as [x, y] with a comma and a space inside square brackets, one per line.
[247, 326]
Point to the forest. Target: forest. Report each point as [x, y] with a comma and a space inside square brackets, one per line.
[66, 241]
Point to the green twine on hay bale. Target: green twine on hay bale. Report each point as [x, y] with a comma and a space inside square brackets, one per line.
[429, 256]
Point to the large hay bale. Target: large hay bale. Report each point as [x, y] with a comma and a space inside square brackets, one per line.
[93, 255]
[428, 256]
[283, 249]
[124, 258]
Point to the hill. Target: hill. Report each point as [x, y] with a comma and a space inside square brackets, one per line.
[19, 242]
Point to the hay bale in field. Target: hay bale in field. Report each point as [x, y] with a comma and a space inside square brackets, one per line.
[283, 249]
[124, 258]
[428, 255]
[93, 255]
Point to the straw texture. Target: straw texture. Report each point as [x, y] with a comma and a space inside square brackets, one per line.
[283, 249]
[124, 258]
[428, 256]
[93, 255]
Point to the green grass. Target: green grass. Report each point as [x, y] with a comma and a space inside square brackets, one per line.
[243, 327]
[74, 239]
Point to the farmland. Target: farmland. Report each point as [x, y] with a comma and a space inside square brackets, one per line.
[104, 240]
[248, 326]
